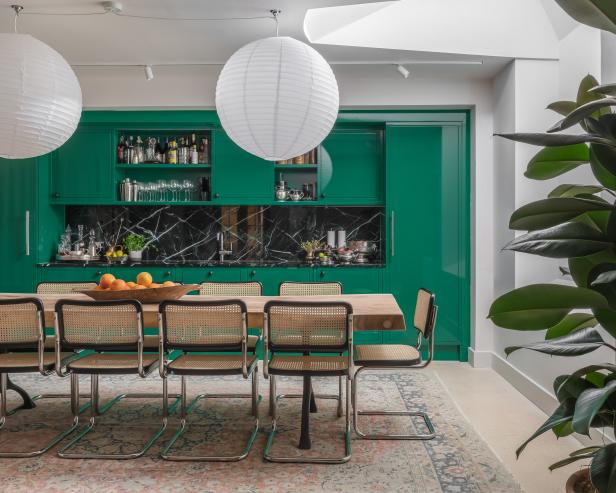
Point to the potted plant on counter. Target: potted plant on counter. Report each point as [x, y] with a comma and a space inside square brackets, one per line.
[134, 244]
[310, 247]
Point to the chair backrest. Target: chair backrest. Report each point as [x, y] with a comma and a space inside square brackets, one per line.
[62, 287]
[100, 325]
[203, 325]
[292, 288]
[294, 326]
[425, 311]
[252, 288]
[21, 323]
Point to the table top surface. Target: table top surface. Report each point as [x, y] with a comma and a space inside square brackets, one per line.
[370, 311]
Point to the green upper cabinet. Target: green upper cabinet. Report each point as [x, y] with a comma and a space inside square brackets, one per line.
[237, 176]
[351, 167]
[82, 169]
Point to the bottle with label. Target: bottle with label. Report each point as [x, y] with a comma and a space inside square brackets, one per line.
[129, 151]
[194, 153]
[202, 157]
[172, 153]
[120, 150]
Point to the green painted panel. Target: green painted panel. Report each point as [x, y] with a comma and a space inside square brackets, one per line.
[237, 176]
[67, 274]
[271, 277]
[82, 169]
[428, 209]
[197, 275]
[159, 274]
[351, 167]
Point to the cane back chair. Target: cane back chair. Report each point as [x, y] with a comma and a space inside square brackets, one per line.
[22, 342]
[398, 357]
[206, 327]
[305, 328]
[113, 331]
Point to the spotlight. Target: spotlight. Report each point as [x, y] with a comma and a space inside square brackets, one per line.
[403, 71]
[149, 73]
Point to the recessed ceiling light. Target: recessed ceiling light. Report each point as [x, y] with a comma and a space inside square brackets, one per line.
[403, 71]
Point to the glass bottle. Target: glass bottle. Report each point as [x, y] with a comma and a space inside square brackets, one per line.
[172, 153]
[120, 150]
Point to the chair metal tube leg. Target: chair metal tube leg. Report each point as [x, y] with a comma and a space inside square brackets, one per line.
[382, 436]
[3, 388]
[94, 396]
[255, 392]
[339, 410]
[272, 396]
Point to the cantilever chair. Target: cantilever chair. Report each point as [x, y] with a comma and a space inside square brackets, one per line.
[206, 327]
[22, 342]
[235, 289]
[308, 327]
[293, 288]
[113, 330]
[398, 357]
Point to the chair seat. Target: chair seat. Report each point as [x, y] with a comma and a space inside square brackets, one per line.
[386, 355]
[309, 365]
[212, 364]
[27, 361]
[109, 363]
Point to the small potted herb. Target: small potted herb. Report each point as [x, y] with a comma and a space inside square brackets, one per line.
[310, 247]
[135, 244]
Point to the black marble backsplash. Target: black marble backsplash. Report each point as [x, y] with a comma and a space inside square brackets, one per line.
[267, 233]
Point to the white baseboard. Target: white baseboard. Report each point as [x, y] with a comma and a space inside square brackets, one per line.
[479, 359]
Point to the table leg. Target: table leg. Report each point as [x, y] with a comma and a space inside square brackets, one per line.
[28, 402]
[313, 401]
[304, 439]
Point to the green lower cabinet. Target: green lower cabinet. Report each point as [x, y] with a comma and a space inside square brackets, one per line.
[70, 274]
[271, 277]
[197, 275]
[159, 274]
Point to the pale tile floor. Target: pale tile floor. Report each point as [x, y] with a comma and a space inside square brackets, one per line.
[504, 418]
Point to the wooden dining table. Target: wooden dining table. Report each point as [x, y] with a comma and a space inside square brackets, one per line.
[370, 312]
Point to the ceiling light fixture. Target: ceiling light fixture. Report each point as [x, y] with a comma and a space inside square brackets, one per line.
[149, 73]
[403, 71]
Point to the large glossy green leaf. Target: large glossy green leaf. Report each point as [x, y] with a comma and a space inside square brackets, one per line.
[554, 161]
[583, 341]
[603, 469]
[588, 404]
[563, 413]
[574, 457]
[571, 239]
[581, 267]
[539, 306]
[570, 386]
[605, 90]
[606, 277]
[580, 113]
[552, 140]
[571, 323]
[562, 107]
[569, 190]
[550, 212]
[602, 174]
[595, 13]
[584, 93]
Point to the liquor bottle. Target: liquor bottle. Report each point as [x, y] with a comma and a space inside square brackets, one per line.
[158, 151]
[139, 152]
[129, 151]
[120, 150]
[172, 153]
[203, 152]
[194, 154]
[165, 148]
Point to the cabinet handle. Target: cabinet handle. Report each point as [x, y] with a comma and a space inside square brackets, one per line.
[99, 273]
[322, 274]
[253, 273]
[216, 195]
[168, 273]
[322, 195]
[210, 273]
[392, 232]
[55, 195]
[27, 233]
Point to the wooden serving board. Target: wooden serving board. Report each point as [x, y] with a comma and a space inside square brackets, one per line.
[148, 295]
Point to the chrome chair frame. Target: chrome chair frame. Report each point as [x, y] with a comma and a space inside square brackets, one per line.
[356, 412]
[41, 368]
[95, 408]
[186, 408]
[274, 398]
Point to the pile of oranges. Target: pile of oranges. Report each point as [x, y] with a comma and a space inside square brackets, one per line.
[144, 280]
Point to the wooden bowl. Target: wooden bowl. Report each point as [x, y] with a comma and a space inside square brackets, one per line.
[148, 295]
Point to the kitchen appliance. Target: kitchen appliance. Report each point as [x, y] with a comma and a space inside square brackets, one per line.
[281, 193]
[296, 195]
[365, 250]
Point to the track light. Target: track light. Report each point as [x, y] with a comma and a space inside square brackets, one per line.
[149, 73]
[403, 71]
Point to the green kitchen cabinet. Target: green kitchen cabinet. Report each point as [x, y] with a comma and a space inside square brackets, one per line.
[159, 274]
[82, 169]
[428, 243]
[271, 277]
[197, 275]
[68, 274]
[239, 177]
[351, 167]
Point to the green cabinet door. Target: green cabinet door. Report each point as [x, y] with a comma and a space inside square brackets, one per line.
[18, 245]
[197, 275]
[159, 274]
[238, 177]
[82, 169]
[429, 236]
[351, 167]
[271, 277]
[70, 274]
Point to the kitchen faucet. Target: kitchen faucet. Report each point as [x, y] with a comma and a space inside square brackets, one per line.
[220, 237]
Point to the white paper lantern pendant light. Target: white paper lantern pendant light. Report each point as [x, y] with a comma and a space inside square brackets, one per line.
[277, 97]
[40, 97]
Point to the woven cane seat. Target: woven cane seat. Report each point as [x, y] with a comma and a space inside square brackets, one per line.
[386, 355]
[213, 364]
[27, 362]
[309, 365]
[289, 288]
[251, 288]
[112, 363]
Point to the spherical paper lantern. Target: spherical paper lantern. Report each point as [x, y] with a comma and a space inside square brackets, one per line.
[277, 98]
[40, 97]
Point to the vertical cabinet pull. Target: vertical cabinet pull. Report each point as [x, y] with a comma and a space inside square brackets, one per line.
[392, 232]
[27, 233]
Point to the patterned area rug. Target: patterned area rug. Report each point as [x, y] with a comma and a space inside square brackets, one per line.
[456, 461]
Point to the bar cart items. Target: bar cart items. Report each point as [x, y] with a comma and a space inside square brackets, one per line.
[175, 149]
[165, 190]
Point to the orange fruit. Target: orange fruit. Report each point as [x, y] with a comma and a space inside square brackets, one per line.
[131, 284]
[168, 283]
[144, 278]
[118, 285]
[107, 280]
[139, 286]
[155, 285]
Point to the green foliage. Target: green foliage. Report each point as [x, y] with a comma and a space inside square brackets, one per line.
[596, 13]
[134, 242]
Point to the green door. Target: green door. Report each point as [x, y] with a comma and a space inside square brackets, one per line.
[271, 277]
[82, 169]
[197, 275]
[351, 167]
[428, 208]
[238, 177]
[18, 245]
[68, 274]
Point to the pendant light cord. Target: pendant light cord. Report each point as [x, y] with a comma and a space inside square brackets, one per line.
[275, 13]
[17, 9]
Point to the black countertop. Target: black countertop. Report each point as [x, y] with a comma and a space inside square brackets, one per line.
[205, 263]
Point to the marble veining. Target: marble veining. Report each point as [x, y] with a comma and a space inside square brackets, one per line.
[253, 233]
